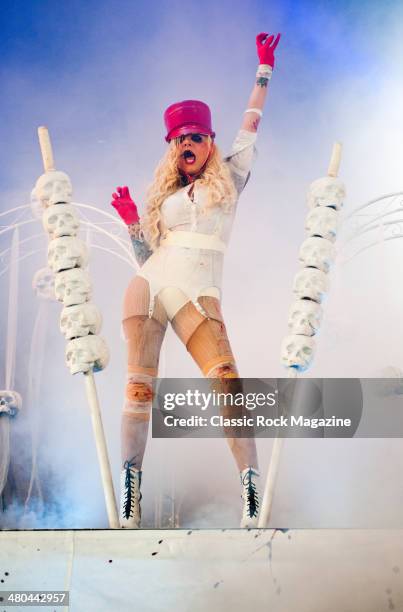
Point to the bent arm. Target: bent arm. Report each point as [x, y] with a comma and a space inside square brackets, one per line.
[141, 247]
[243, 148]
[127, 210]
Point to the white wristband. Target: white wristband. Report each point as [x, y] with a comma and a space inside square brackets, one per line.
[254, 110]
[264, 70]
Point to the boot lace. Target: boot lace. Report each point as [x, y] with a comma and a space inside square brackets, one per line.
[252, 500]
[131, 495]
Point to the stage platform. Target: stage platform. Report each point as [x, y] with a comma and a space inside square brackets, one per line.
[322, 570]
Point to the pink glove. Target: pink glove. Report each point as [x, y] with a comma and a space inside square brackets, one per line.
[125, 205]
[265, 48]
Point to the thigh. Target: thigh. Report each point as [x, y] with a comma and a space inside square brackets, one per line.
[144, 334]
[144, 337]
[208, 343]
[210, 347]
[188, 318]
[137, 301]
[211, 350]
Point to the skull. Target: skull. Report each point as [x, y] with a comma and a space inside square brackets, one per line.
[297, 352]
[61, 220]
[85, 354]
[311, 284]
[326, 191]
[322, 221]
[37, 207]
[10, 403]
[73, 287]
[304, 317]
[390, 372]
[53, 187]
[43, 284]
[80, 320]
[67, 252]
[391, 383]
[317, 253]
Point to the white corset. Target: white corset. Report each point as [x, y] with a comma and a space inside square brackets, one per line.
[177, 273]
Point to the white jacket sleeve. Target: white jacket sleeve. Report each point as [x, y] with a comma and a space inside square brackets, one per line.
[241, 157]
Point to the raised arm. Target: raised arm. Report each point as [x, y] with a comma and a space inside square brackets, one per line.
[266, 46]
[127, 210]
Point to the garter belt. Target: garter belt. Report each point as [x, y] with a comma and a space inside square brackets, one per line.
[173, 298]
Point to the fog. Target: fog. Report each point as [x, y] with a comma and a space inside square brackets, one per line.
[100, 78]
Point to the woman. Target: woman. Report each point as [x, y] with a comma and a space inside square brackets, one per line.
[180, 246]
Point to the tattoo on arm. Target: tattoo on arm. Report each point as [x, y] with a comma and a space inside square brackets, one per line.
[141, 250]
[255, 124]
[141, 247]
[251, 124]
[262, 82]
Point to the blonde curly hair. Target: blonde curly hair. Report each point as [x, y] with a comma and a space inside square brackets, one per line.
[167, 179]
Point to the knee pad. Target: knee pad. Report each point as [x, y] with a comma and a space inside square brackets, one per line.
[139, 393]
[220, 367]
[226, 381]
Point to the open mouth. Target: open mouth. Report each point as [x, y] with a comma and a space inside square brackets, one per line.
[189, 157]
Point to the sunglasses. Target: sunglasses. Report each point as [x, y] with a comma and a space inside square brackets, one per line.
[193, 137]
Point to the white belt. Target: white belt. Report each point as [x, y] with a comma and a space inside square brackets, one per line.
[193, 240]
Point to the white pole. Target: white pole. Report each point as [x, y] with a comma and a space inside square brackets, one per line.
[11, 343]
[91, 392]
[102, 451]
[271, 479]
[268, 495]
[12, 315]
[46, 149]
[334, 165]
[274, 464]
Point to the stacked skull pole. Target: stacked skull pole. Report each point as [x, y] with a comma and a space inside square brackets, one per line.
[10, 399]
[325, 199]
[80, 321]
